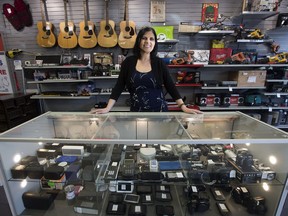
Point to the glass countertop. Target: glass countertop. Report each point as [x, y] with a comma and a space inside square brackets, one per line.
[148, 128]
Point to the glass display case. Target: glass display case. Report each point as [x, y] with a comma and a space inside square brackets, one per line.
[216, 163]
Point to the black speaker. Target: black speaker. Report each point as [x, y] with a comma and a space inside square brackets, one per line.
[282, 20]
[201, 99]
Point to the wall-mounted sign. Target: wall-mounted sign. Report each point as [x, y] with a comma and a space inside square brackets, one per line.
[5, 82]
[209, 12]
[157, 11]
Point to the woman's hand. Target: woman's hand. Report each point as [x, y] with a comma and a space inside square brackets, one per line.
[192, 111]
[99, 111]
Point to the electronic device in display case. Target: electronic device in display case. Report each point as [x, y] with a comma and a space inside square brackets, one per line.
[227, 163]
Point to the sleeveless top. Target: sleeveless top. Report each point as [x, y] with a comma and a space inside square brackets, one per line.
[145, 94]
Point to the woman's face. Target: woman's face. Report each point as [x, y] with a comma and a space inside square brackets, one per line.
[147, 42]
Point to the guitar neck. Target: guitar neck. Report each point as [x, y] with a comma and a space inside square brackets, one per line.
[66, 15]
[107, 17]
[126, 13]
[85, 12]
[42, 12]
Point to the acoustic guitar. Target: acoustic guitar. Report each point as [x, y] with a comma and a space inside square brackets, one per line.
[87, 37]
[127, 36]
[107, 36]
[45, 35]
[67, 39]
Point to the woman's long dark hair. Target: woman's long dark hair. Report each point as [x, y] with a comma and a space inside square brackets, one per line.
[136, 49]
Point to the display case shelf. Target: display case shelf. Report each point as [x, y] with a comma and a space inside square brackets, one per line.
[58, 67]
[230, 88]
[48, 81]
[48, 97]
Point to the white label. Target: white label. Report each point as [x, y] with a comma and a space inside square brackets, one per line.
[162, 188]
[123, 187]
[148, 197]
[9, 10]
[114, 164]
[217, 192]
[251, 79]
[278, 95]
[194, 189]
[270, 109]
[164, 196]
[114, 207]
[222, 206]
[179, 175]
[230, 89]
[138, 208]
[244, 189]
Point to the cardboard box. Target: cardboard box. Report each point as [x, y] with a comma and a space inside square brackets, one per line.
[252, 78]
[186, 28]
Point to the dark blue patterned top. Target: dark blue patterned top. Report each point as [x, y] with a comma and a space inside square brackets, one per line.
[146, 95]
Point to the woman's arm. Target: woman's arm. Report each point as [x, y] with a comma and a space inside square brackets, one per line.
[107, 109]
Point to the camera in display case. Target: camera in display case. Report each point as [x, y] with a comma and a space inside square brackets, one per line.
[104, 164]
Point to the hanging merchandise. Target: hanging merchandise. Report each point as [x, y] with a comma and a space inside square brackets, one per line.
[11, 14]
[18, 15]
[24, 13]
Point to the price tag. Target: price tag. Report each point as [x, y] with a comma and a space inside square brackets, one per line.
[123, 187]
[138, 209]
[148, 197]
[251, 79]
[270, 109]
[230, 89]
[278, 95]
[218, 193]
[114, 207]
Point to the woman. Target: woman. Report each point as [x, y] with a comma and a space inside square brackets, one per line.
[144, 75]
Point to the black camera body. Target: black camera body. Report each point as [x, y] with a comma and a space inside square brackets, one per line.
[241, 195]
[199, 200]
[244, 160]
[256, 205]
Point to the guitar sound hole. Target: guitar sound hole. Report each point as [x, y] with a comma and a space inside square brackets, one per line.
[48, 32]
[86, 28]
[107, 28]
[66, 29]
[90, 32]
[127, 28]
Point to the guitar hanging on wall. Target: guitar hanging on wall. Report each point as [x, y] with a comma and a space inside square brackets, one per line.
[127, 36]
[87, 37]
[67, 39]
[45, 35]
[107, 36]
